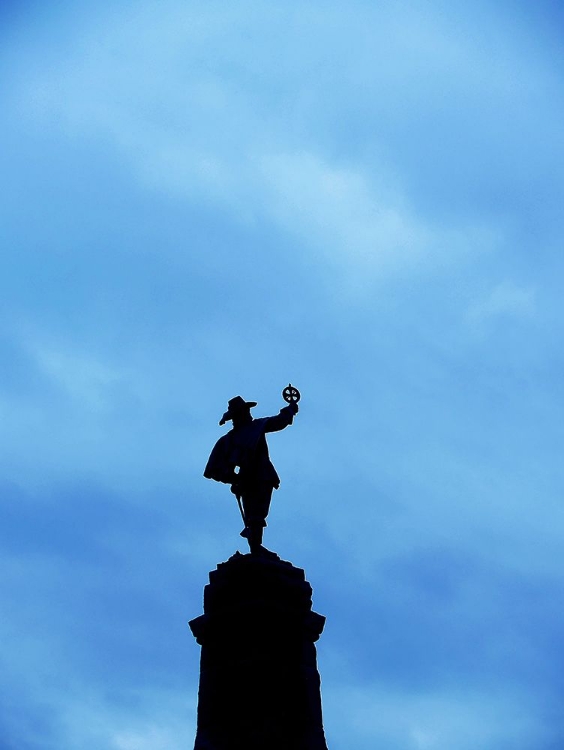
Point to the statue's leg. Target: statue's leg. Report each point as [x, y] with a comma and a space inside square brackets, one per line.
[256, 503]
[254, 537]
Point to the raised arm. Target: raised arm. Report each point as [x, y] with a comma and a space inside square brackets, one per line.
[283, 419]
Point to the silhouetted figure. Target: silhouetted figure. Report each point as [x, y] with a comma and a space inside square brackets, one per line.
[244, 447]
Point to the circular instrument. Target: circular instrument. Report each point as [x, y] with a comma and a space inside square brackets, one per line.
[291, 394]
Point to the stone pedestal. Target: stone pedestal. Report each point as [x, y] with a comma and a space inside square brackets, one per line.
[259, 684]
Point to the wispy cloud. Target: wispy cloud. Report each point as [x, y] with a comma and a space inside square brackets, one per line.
[506, 299]
[208, 200]
[199, 131]
[375, 717]
[153, 720]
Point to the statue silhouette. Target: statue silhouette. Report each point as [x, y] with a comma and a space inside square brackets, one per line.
[245, 447]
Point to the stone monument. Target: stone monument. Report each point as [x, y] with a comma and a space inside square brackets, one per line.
[259, 683]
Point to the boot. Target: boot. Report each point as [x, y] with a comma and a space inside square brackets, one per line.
[254, 538]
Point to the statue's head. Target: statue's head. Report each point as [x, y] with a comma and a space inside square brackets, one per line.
[238, 410]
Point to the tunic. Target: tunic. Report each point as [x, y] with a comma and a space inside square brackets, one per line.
[245, 447]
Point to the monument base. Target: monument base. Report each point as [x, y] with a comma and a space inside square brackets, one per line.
[259, 684]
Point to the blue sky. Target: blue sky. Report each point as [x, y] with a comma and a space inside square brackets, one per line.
[209, 199]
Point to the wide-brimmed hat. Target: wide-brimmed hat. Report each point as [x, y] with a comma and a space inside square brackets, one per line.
[236, 406]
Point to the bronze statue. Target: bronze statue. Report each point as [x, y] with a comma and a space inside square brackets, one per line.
[244, 447]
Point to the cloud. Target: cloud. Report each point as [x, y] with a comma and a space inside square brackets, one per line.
[376, 717]
[207, 201]
[81, 377]
[506, 299]
[180, 108]
[82, 599]
[152, 720]
[145, 720]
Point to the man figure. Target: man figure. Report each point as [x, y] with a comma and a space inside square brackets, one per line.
[245, 446]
